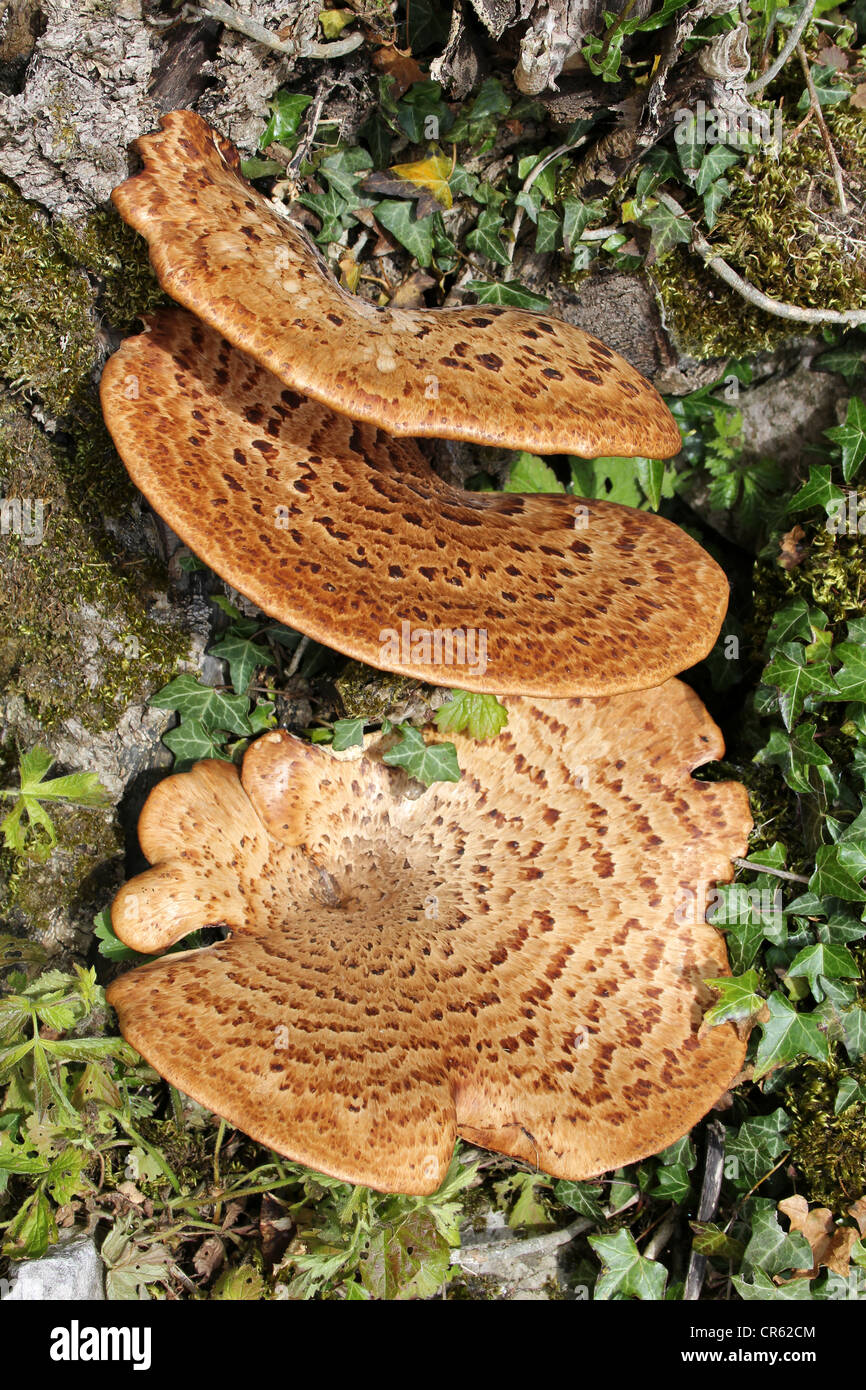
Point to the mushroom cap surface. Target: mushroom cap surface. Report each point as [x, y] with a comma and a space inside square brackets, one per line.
[348, 535]
[489, 374]
[506, 958]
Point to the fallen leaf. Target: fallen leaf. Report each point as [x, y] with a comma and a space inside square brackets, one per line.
[385, 187]
[350, 272]
[831, 1244]
[858, 97]
[400, 66]
[410, 295]
[858, 1211]
[432, 174]
[792, 548]
[209, 1257]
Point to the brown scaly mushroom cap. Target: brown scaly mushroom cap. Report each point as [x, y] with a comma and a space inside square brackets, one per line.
[492, 375]
[505, 958]
[348, 535]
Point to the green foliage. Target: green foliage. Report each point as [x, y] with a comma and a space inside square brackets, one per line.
[28, 828]
[426, 762]
[481, 716]
[626, 1273]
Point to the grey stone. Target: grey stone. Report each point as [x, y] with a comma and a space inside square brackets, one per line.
[71, 1269]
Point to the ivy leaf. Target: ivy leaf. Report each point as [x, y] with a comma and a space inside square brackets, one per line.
[482, 716]
[509, 292]
[754, 1149]
[344, 171]
[422, 111]
[582, 1197]
[839, 870]
[788, 1035]
[851, 438]
[771, 1249]
[415, 233]
[739, 997]
[348, 733]
[432, 173]
[203, 705]
[672, 1183]
[713, 199]
[427, 762]
[576, 217]
[831, 962]
[795, 621]
[850, 1092]
[716, 160]
[548, 233]
[680, 1151]
[796, 680]
[794, 753]
[853, 1028]
[531, 474]
[243, 656]
[191, 741]
[287, 110]
[763, 1289]
[667, 228]
[851, 676]
[485, 238]
[819, 491]
[627, 1272]
[710, 1239]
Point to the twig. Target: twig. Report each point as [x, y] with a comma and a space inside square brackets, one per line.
[530, 180]
[290, 48]
[297, 655]
[661, 1236]
[793, 39]
[776, 307]
[765, 869]
[474, 1255]
[709, 1200]
[314, 115]
[825, 133]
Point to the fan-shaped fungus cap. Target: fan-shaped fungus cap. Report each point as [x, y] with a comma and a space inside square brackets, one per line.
[493, 375]
[349, 536]
[511, 957]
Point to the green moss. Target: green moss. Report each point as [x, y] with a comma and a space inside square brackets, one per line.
[81, 870]
[370, 694]
[47, 332]
[54, 281]
[832, 576]
[828, 1150]
[781, 230]
[78, 637]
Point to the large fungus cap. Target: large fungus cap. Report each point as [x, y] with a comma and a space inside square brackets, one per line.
[348, 535]
[493, 375]
[516, 958]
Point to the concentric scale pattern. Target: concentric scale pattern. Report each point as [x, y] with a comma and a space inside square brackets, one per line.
[348, 535]
[507, 958]
[493, 375]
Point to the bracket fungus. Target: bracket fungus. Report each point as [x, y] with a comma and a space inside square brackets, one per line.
[507, 958]
[350, 536]
[492, 375]
[266, 450]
